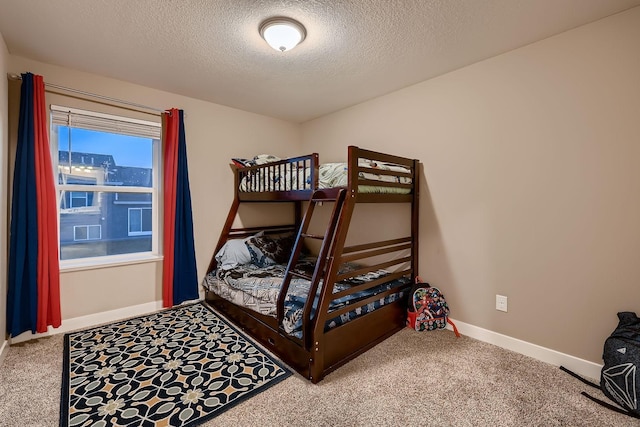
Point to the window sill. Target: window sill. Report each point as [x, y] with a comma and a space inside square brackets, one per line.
[68, 266]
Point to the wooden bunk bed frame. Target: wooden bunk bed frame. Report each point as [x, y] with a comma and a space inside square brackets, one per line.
[320, 352]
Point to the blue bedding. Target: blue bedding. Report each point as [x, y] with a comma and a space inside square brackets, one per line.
[258, 289]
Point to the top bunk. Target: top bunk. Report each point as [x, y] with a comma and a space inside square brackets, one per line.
[368, 176]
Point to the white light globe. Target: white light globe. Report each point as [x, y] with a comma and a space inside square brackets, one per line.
[282, 34]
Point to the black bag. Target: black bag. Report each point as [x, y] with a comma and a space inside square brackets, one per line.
[619, 378]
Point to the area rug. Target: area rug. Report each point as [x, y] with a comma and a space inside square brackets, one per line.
[177, 367]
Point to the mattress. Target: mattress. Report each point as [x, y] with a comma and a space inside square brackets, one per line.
[257, 288]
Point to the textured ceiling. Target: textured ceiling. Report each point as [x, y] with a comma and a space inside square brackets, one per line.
[355, 49]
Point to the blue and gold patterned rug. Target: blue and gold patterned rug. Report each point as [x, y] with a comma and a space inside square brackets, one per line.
[177, 367]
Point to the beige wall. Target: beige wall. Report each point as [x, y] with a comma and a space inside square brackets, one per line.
[530, 185]
[4, 64]
[531, 181]
[214, 135]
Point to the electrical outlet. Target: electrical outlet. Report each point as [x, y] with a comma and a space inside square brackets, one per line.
[501, 303]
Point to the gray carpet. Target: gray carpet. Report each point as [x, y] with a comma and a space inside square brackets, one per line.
[417, 379]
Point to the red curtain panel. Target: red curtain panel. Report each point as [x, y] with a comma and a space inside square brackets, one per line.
[179, 278]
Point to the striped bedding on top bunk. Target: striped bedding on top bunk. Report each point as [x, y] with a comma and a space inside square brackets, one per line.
[258, 288]
[331, 175]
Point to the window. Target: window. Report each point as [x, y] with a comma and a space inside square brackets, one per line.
[78, 199]
[140, 221]
[87, 232]
[107, 181]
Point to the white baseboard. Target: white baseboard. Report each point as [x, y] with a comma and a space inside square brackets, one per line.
[90, 320]
[580, 366]
[3, 348]
[577, 365]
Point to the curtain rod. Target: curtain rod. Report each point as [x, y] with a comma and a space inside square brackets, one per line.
[156, 111]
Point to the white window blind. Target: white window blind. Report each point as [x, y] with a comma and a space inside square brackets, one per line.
[72, 117]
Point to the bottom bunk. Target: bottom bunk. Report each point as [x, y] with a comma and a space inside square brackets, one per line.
[336, 346]
[258, 289]
[367, 308]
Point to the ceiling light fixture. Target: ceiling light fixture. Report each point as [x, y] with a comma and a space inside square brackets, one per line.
[282, 33]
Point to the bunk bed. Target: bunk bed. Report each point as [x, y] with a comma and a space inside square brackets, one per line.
[317, 312]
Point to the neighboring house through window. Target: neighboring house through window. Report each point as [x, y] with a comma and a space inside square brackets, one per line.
[107, 180]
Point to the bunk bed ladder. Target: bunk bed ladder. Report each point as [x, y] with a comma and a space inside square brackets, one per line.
[319, 196]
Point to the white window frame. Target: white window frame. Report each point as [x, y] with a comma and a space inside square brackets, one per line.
[84, 119]
[138, 233]
[75, 227]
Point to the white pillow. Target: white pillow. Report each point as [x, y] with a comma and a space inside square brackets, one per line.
[262, 159]
[232, 254]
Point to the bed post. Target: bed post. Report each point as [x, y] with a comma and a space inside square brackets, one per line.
[231, 216]
[415, 219]
[233, 211]
[317, 365]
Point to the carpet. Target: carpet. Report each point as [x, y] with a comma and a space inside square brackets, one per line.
[177, 367]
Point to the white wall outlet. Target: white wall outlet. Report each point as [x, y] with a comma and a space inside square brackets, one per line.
[501, 303]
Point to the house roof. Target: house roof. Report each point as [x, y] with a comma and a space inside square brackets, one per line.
[117, 175]
[86, 159]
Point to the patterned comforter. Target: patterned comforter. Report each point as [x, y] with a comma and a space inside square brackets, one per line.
[258, 289]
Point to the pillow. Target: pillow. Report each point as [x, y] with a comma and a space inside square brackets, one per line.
[384, 166]
[242, 163]
[233, 254]
[268, 250]
[262, 159]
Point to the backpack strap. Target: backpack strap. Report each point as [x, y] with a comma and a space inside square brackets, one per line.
[584, 380]
[418, 283]
[453, 325]
[610, 406]
[595, 399]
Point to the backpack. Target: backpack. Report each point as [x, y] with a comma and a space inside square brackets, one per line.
[620, 376]
[428, 310]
